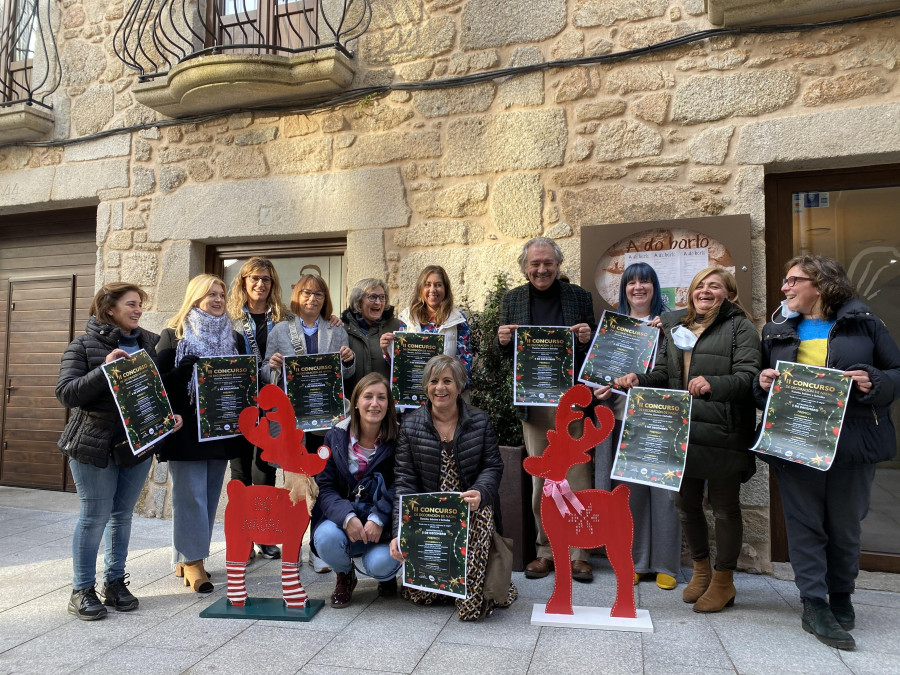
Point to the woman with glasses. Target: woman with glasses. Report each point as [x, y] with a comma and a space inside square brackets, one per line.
[368, 317]
[432, 310]
[255, 306]
[309, 332]
[821, 323]
[201, 328]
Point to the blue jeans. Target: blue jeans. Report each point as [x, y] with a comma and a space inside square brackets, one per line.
[107, 497]
[335, 549]
[196, 486]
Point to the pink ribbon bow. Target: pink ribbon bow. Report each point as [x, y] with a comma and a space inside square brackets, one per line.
[560, 491]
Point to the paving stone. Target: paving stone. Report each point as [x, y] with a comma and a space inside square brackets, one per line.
[569, 650]
[473, 660]
[129, 658]
[284, 652]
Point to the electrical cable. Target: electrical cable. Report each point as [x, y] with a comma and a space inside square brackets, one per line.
[363, 93]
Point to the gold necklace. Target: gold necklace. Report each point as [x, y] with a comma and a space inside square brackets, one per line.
[446, 436]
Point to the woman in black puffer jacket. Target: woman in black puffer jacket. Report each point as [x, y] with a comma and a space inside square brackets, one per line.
[822, 324]
[712, 351]
[446, 446]
[107, 492]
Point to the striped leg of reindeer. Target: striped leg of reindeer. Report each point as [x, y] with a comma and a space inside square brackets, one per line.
[237, 587]
[291, 588]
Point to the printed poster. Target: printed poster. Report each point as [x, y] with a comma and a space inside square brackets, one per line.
[141, 399]
[410, 353]
[225, 385]
[621, 345]
[314, 384]
[804, 414]
[434, 536]
[543, 364]
[654, 441]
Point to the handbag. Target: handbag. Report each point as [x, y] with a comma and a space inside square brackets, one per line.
[498, 574]
[368, 492]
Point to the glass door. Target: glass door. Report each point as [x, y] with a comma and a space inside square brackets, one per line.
[850, 216]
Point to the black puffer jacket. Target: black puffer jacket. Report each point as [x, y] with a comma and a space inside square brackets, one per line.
[94, 424]
[722, 423]
[365, 345]
[184, 444]
[417, 465]
[858, 340]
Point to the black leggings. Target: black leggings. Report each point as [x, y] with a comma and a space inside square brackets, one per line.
[725, 499]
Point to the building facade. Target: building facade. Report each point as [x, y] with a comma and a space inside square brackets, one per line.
[434, 132]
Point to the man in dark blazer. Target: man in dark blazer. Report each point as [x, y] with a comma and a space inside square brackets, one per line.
[547, 301]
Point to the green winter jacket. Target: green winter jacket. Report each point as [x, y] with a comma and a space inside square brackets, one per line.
[728, 355]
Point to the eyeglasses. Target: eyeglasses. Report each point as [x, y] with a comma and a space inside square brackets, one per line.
[255, 279]
[790, 281]
[318, 295]
[372, 297]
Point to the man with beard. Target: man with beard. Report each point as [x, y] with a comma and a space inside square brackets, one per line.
[547, 301]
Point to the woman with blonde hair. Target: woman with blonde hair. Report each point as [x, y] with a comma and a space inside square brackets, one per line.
[711, 350]
[431, 310]
[255, 307]
[201, 328]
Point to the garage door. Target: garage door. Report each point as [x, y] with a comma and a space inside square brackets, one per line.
[47, 264]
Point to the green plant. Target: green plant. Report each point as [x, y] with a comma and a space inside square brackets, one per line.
[492, 372]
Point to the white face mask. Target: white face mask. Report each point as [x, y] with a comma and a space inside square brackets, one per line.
[784, 312]
[684, 338]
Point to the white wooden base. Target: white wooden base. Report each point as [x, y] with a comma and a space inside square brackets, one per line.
[597, 618]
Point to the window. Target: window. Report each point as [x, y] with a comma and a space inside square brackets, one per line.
[17, 43]
[265, 24]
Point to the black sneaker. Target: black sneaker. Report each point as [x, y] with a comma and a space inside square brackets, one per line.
[269, 551]
[116, 594]
[86, 605]
[388, 589]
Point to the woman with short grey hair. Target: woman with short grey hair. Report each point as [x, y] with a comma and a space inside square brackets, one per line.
[366, 319]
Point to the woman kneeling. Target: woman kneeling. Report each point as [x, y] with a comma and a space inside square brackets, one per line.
[356, 492]
[446, 446]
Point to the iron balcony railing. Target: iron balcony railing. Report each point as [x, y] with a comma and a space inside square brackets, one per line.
[29, 61]
[156, 35]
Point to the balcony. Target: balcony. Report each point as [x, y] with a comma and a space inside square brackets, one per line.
[29, 71]
[208, 55]
[731, 13]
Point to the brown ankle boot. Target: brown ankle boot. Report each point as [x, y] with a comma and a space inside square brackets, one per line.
[195, 576]
[720, 593]
[699, 582]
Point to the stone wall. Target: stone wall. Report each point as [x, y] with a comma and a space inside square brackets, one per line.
[462, 176]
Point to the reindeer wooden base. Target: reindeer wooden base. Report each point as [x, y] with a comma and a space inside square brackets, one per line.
[268, 515]
[584, 519]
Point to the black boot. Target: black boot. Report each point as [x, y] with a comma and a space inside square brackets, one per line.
[269, 551]
[86, 605]
[843, 610]
[818, 620]
[116, 594]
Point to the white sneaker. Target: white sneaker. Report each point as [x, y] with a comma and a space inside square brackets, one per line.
[318, 565]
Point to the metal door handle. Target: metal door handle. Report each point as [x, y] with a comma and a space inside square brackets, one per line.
[9, 388]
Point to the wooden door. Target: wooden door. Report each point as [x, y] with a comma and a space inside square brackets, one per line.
[47, 264]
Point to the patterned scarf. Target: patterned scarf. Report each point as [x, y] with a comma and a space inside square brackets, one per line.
[205, 335]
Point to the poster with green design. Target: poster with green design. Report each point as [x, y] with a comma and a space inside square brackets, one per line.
[543, 364]
[410, 354]
[141, 399]
[654, 441]
[315, 385]
[225, 385]
[434, 539]
[621, 345]
[804, 414]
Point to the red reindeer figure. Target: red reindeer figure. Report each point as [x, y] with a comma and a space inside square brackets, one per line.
[587, 518]
[270, 515]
